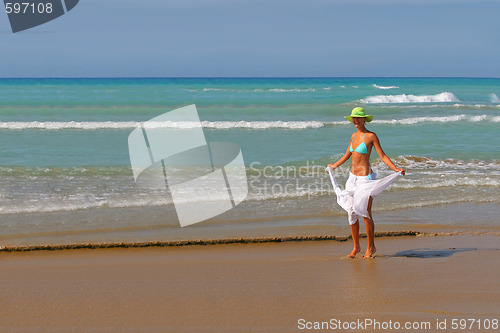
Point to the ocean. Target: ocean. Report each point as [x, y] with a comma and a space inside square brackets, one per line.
[65, 174]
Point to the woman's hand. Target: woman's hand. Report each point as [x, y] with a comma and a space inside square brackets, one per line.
[331, 165]
[402, 171]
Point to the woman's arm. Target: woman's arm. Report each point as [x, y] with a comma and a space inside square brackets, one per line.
[383, 156]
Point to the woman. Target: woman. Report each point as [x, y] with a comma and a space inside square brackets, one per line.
[361, 185]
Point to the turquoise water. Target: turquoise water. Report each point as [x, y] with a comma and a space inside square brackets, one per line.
[64, 146]
[439, 118]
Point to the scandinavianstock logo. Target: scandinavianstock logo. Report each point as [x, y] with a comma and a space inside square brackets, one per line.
[27, 14]
[170, 153]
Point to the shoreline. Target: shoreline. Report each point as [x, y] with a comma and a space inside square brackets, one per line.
[174, 243]
[131, 226]
[236, 240]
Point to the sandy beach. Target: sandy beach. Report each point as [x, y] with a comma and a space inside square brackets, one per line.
[268, 287]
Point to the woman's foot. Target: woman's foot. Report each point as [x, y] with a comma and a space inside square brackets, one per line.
[370, 252]
[355, 251]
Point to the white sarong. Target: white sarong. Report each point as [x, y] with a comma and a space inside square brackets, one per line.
[358, 190]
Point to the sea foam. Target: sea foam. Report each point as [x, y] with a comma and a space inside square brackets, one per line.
[228, 125]
[60, 125]
[444, 97]
[385, 87]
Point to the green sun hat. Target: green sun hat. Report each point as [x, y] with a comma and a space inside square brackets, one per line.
[360, 113]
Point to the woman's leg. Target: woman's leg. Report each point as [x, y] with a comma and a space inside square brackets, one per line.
[355, 239]
[370, 231]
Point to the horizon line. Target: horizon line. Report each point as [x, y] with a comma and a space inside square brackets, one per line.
[252, 77]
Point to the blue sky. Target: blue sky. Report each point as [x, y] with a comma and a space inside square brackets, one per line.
[151, 38]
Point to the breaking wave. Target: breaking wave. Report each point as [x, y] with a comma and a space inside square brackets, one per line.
[385, 87]
[444, 97]
[227, 125]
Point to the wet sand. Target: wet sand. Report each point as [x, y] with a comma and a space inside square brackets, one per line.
[265, 287]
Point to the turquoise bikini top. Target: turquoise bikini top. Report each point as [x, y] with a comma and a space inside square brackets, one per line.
[362, 149]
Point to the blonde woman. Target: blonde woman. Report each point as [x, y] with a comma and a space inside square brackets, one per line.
[361, 186]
